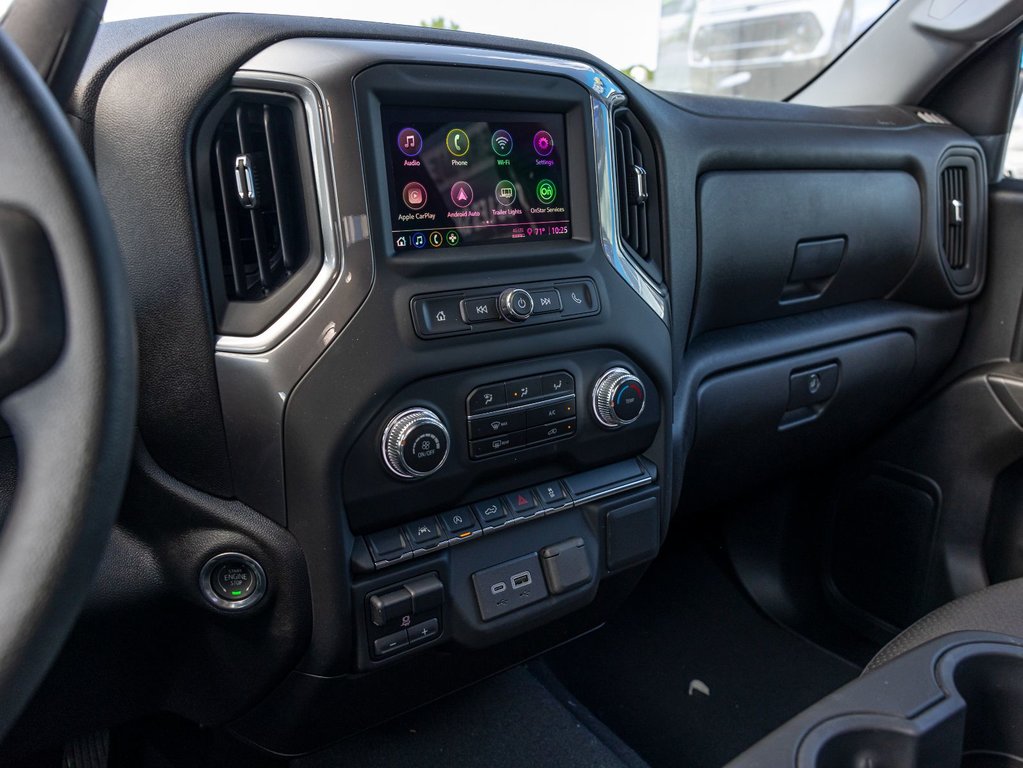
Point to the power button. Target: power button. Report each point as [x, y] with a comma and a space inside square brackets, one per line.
[515, 304]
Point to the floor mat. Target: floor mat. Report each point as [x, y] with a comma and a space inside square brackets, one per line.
[509, 721]
[690, 673]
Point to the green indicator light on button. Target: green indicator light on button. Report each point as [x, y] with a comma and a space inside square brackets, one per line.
[236, 593]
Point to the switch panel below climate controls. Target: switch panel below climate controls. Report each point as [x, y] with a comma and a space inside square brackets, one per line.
[483, 518]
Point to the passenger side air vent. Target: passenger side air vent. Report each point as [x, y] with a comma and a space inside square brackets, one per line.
[954, 205]
[962, 217]
[258, 210]
[637, 192]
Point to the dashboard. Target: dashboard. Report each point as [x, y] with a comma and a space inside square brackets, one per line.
[439, 333]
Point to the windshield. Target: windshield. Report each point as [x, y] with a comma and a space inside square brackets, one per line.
[763, 49]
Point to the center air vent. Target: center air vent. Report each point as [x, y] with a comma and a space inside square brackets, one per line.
[961, 217]
[258, 207]
[635, 171]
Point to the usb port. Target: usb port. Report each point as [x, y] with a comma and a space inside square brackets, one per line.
[520, 580]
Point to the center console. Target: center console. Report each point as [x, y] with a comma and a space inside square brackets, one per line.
[474, 420]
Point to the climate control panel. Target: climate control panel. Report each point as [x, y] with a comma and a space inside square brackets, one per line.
[507, 415]
[442, 441]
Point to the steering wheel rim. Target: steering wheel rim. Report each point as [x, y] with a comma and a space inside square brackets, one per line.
[69, 393]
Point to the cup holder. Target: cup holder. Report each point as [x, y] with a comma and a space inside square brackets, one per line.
[975, 720]
[991, 685]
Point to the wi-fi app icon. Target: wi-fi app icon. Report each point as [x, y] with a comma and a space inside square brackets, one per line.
[501, 142]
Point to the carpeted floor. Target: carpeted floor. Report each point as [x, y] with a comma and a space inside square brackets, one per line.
[690, 673]
[509, 721]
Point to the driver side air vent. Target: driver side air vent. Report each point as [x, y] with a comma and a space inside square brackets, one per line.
[258, 207]
[961, 218]
[637, 192]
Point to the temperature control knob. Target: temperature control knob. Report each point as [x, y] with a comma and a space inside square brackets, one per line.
[618, 398]
[415, 443]
[515, 304]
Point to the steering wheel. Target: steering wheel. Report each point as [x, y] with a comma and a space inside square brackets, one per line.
[67, 377]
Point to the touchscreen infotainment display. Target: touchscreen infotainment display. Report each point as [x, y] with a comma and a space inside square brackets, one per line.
[463, 177]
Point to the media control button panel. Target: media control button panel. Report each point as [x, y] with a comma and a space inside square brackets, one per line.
[489, 309]
[522, 412]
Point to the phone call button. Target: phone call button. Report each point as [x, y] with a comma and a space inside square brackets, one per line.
[457, 142]
[576, 298]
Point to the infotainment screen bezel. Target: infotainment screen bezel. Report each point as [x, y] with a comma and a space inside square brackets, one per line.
[486, 90]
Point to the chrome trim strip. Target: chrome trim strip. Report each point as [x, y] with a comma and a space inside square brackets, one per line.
[615, 489]
[607, 211]
[523, 406]
[333, 255]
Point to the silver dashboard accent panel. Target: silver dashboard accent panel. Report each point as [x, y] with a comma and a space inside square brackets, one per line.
[257, 374]
[333, 261]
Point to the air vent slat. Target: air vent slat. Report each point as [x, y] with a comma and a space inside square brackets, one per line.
[235, 262]
[278, 144]
[263, 252]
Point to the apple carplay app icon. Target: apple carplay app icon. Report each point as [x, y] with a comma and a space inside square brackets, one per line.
[414, 195]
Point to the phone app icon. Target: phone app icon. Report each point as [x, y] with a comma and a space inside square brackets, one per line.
[457, 142]
[501, 143]
[410, 142]
[543, 143]
[505, 192]
[461, 194]
[546, 191]
[436, 239]
[414, 195]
